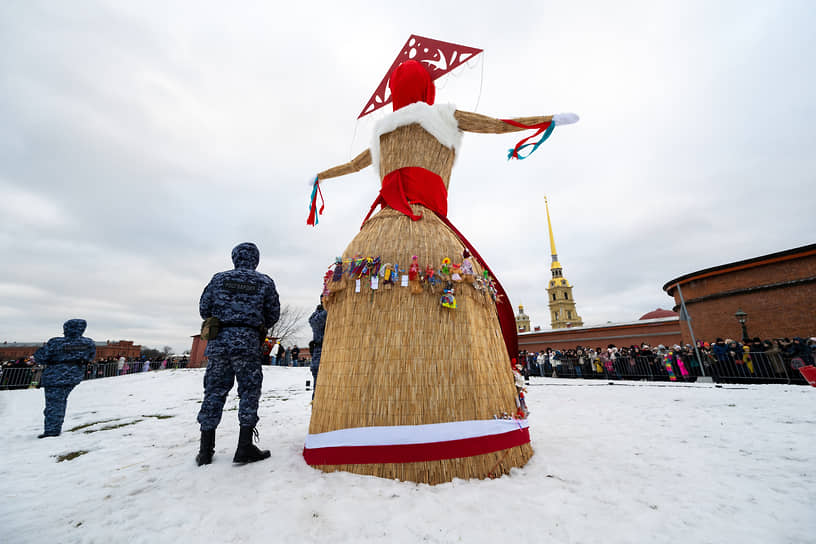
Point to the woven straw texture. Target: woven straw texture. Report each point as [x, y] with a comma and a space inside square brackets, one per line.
[411, 145]
[391, 357]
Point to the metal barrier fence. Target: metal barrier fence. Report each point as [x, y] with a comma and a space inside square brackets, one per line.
[24, 377]
[761, 367]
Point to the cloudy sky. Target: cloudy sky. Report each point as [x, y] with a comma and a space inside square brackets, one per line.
[140, 141]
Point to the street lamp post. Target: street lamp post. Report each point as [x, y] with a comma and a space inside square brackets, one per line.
[742, 317]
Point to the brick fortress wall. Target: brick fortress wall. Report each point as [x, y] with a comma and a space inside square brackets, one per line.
[777, 291]
[654, 332]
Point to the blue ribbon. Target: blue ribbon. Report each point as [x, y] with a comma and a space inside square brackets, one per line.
[517, 152]
[313, 201]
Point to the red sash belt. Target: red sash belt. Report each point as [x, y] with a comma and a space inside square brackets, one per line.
[416, 185]
[412, 185]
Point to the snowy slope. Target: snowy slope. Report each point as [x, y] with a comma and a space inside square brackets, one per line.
[621, 463]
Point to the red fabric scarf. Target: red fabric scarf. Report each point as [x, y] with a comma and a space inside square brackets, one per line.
[416, 185]
[412, 185]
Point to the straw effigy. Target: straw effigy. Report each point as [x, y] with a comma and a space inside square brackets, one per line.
[391, 357]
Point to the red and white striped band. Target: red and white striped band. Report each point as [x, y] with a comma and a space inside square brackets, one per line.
[414, 443]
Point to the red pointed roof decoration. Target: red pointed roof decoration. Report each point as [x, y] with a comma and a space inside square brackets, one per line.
[439, 57]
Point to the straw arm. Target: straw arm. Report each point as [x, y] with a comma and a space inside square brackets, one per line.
[475, 122]
[354, 165]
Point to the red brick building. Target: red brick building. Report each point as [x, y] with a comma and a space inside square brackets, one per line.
[777, 291]
[654, 328]
[104, 350]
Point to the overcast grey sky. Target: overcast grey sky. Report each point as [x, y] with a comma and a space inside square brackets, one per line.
[140, 141]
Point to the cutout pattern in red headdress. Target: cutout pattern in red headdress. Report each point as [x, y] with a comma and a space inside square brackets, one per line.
[437, 56]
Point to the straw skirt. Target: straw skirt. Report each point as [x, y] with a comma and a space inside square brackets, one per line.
[393, 357]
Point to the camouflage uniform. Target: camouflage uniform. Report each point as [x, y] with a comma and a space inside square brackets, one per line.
[318, 323]
[65, 359]
[246, 303]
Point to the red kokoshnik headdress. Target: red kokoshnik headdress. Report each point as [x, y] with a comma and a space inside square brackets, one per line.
[437, 57]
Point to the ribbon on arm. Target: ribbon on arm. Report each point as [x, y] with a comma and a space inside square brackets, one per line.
[313, 211]
[546, 128]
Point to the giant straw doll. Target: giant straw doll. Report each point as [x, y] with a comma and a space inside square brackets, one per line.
[412, 386]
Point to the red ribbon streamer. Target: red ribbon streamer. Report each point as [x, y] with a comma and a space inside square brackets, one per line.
[540, 126]
[313, 212]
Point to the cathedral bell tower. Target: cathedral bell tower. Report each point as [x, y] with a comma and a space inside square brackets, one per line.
[559, 291]
[522, 321]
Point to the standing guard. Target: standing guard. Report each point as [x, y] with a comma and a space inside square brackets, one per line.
[65, 358]
[238, 307]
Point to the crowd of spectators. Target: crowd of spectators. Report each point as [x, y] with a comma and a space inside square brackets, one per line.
[25, 372]
[279, 356]
[725, 360]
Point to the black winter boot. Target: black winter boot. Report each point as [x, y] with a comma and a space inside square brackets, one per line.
[207, 449]
[247, 452]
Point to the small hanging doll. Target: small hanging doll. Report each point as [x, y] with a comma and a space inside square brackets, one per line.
[388, 275]
[327, 277]
[336, 283]
[431, 278]
[413, 276]
[467, 267]
[489, 285]
[479, 287]
[448, 300]
[456, 270]
[445, 269]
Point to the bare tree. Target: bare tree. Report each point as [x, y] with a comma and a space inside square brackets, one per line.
[167, 351]
[291, 321]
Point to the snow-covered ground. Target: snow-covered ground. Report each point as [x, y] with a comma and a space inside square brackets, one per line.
[634, 462]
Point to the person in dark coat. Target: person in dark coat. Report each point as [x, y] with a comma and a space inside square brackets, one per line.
[246, 304]
[64, 359]
[318, 323]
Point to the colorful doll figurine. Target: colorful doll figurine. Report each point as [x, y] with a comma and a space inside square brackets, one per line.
[327, 279]
[448, 300]
[337, 283]
[491, 287]
[431, 278]
[456, 270]
[445, 269]
[413, 270]
[387, 275]
[413, 276]
[467, 267]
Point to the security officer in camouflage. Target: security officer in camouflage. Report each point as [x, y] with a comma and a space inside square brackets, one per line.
[246, 304]
[64, 359]
[318, 323]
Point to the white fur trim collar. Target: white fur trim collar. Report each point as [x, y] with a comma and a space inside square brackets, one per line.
[438, 120]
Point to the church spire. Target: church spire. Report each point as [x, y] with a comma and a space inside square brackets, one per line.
[562, 304]
[555, 263]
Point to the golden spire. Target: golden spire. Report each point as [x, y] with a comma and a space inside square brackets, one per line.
[555, 262]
